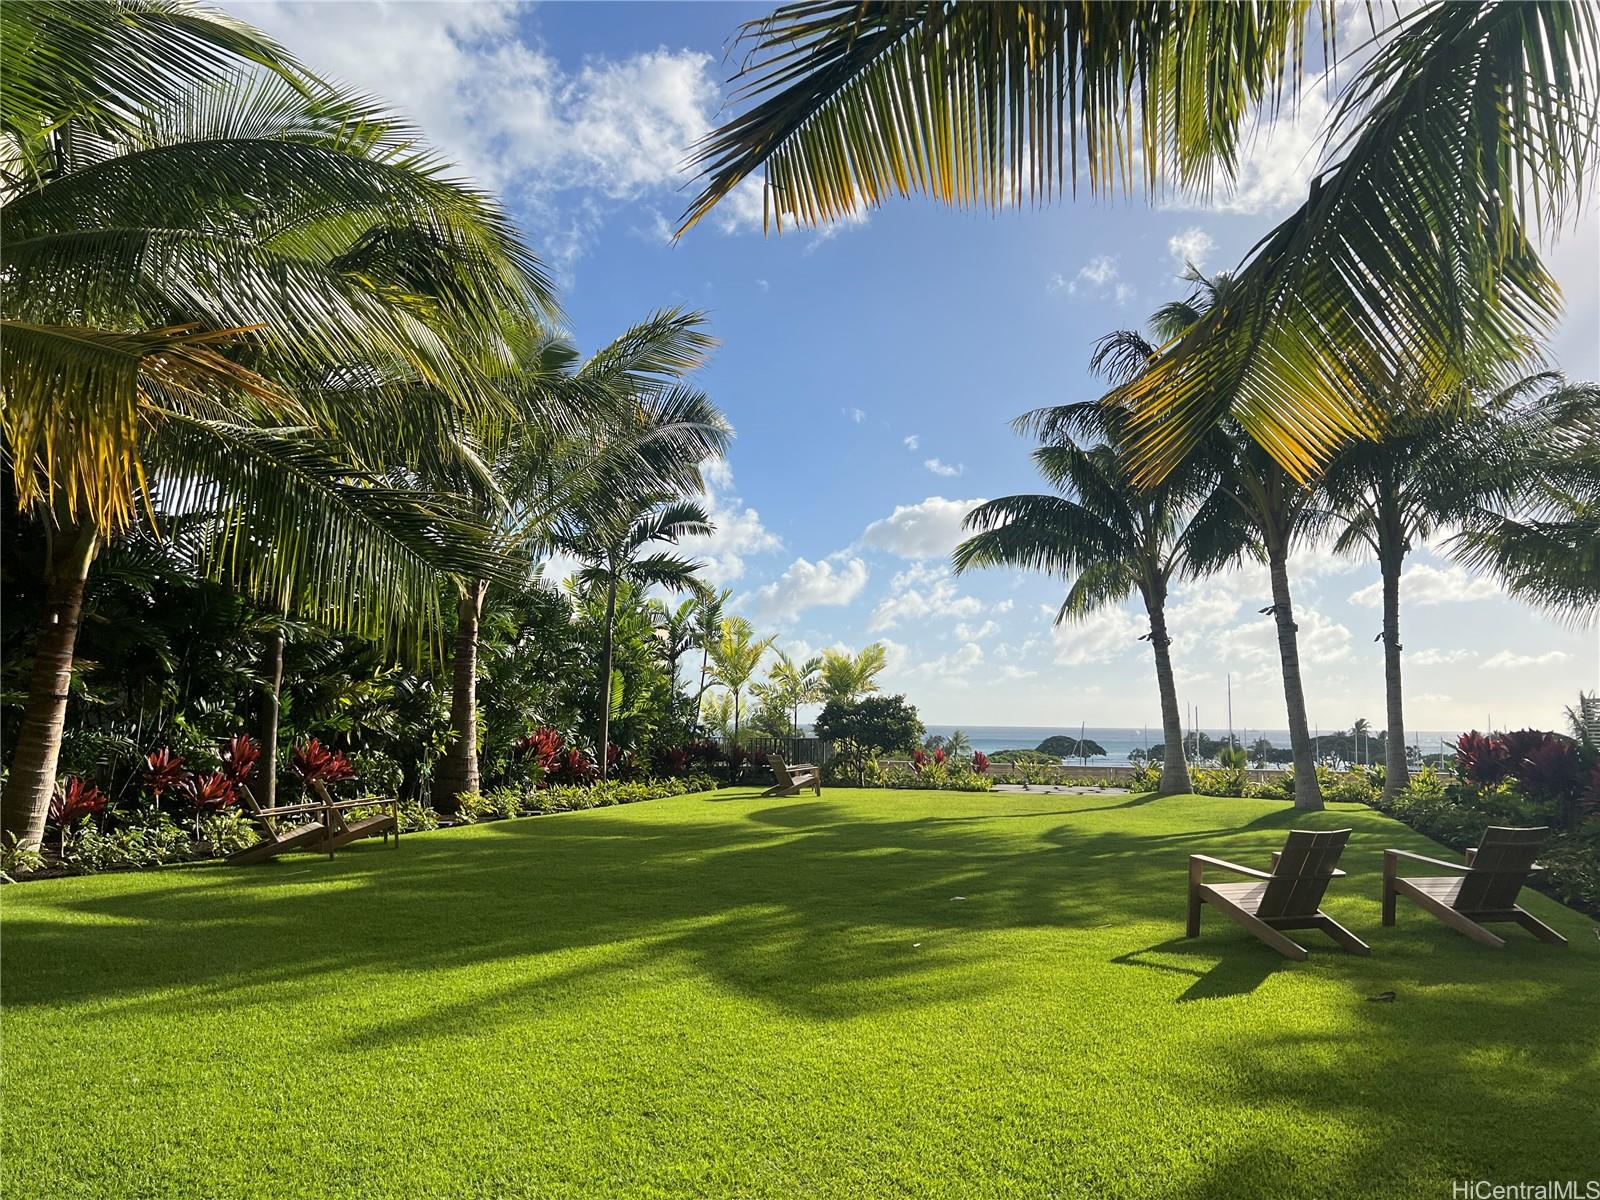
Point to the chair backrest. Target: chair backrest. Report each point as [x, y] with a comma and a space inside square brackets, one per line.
[1499, 869]
[1302, 872]
[780, 771]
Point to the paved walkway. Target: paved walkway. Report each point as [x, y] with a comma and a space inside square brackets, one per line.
[1059, 789]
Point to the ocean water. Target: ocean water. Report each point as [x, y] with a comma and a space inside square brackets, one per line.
[1118, 742]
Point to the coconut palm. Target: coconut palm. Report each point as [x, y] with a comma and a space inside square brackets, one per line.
[1437, 462]
[1107, 536]
[616, 545]
[735, 657]
[1465, 124]
[707, 627]
[1547, 548]
[205, 261]
[796, 683]
[674, 628]
[848, 677]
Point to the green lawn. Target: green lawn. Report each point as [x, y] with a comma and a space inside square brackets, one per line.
[875, 994]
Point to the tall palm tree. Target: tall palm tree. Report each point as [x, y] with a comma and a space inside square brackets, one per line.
[1464, 124]
[204, 261]
[848, 677]
[577, 430]
[615, 546]
[1106, 535]
[707, 627]
[1436, 463]
[675, 630]
[735, 657]
[797, 683]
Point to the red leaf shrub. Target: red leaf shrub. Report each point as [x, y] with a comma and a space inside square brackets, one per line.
[1550, 769]
[676, 760]
[316, 761]
[239, 757]
[162, 771]
[938, 757]
[980, 762]
[213, 791]
[544, 746]
[919, 759]
[1480, 758]
[75, 800]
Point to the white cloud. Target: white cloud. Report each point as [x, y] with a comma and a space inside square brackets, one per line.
[920, 592]
[1098, 279]
[805, 584]
[857, 415]
[1004, 606]
[1508, 658]
[1321, 640]
[1103, 635]
[1434, 657]
[739, 531]
[1276, 163]
[953, 666]
[912, 441]
[967, 633]
[1425, 585]
[1193, 246]
[931, 529]
[944, 468]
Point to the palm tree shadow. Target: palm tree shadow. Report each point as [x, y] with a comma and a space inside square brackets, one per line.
[1237, 974]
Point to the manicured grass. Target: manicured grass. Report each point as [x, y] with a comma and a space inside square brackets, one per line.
[727, 996]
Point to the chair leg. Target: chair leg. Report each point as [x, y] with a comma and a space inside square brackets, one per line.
[1347, 941]
[1456, 921]
[1269, 935]
[1538, 928]
[1390, 864]
[1194, 911]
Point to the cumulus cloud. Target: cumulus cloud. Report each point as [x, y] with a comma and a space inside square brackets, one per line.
[1191, 247]
[1321, 640]
[953, 666]
[805, 584]
[1509, 658]
[943, 468]
[1104, 635]
[1098, 279]
[739, 531]
[1425, 585]
[1276, 163]
[931, 529]
[1434, 657]
[968, 633]
[921, 592]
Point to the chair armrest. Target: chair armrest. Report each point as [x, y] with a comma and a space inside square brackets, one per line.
[1471, 855]
[285, 810]
[1336, 873]
[1205, 860]
[1392, 855]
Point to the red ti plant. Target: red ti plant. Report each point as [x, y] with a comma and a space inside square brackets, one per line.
[314, 761]
[1481, 758]
[72, 802]
[574, 766]
[980, 762]
[239, 757]
[544, 746]
[676, 760]
[919, 759]
[212, 791]
[163, 771]
[938, 757]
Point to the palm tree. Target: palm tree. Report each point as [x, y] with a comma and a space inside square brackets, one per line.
[1464, 124]
[613, 545]
[1548, 548]
[204, 262]
[735, 657]
[578, 430]
[675, 631]
[848, 677]
[707, 627]
[1109, 537]
[957, 745]
[797, 683]
[1437, 461]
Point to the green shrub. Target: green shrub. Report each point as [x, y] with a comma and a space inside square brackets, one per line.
[147, 840]
[504, 802]
[16, 859]
[226, 832]
[1145, 779]
[417, 817]
[472, 807]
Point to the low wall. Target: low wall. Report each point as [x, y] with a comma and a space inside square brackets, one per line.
[1002, 772]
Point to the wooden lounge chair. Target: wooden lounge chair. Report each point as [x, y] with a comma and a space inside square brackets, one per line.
[791, 781]
[342, 831]
[1483, 891]
[1287, 897]
[305, 830]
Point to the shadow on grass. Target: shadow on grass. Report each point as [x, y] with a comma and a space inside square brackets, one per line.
[1236, 974]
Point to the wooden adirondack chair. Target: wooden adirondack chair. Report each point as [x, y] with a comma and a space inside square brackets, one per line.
[342, 831]
[302, 833]
[1483, 891]
[791, 781]
[1287, 897]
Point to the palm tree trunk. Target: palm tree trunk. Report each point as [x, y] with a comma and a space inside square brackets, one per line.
[1395, 774]
[32, 781]
[271, 705]
[605, 676]
[458, 769]
[699, 696]
[1307, 794]
[1174, 770]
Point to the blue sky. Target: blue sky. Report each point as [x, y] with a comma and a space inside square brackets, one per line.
[871, 371]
